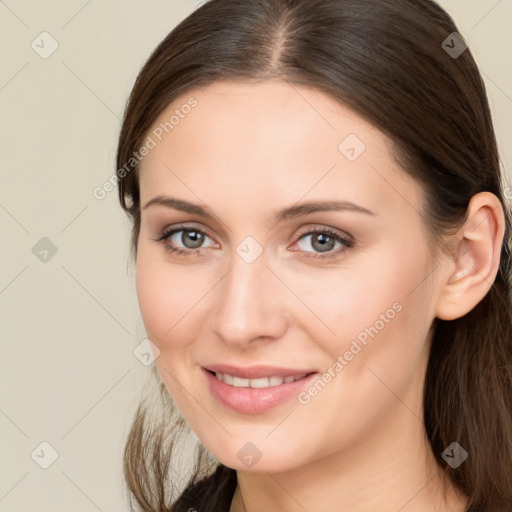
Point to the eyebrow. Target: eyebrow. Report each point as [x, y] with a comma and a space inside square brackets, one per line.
[293, 211]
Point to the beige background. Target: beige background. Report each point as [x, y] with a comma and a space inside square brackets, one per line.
[68, 373]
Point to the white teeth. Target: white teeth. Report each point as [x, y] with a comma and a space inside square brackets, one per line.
[263, 382]
[276, 381]
[240, 383]
[258, 383]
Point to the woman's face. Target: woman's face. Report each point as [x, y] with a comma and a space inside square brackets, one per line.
[348, 292]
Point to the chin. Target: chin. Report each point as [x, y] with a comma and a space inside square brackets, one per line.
[258, 457]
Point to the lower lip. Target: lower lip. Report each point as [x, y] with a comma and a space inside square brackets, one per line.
[255, 400]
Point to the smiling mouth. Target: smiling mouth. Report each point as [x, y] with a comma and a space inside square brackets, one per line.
[262, 382]
[256, 395]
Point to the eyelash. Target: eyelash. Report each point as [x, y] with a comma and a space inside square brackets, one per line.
[167, 233]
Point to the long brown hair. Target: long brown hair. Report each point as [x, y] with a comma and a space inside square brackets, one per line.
[384, 59]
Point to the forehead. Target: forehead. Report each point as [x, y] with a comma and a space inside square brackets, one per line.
[272, 112]
[269, 140]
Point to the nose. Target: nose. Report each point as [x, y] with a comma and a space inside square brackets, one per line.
[251, 304]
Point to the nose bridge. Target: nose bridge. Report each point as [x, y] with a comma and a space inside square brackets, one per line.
[249, 303]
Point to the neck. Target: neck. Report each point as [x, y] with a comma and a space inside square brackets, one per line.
[388, 469]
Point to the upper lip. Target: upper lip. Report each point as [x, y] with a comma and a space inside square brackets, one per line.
[256, 372]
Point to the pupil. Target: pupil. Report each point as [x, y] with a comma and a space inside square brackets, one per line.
[324, 245]
[195, 236]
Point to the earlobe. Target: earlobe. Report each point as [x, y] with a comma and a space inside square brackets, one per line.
[476, 258]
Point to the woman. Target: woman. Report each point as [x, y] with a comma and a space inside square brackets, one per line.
[322, 252]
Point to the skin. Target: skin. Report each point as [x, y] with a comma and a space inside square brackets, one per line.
[247, 151]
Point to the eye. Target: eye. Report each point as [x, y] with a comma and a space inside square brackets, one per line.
[324, 240]
[190, 238]
[188, 241]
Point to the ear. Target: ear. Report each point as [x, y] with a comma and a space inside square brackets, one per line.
[476, 257]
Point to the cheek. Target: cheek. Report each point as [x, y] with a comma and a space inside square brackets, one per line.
[172, 298]
[160, 297]
[163, 303]
[150, 294]
[376, 314]
[383, 331]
